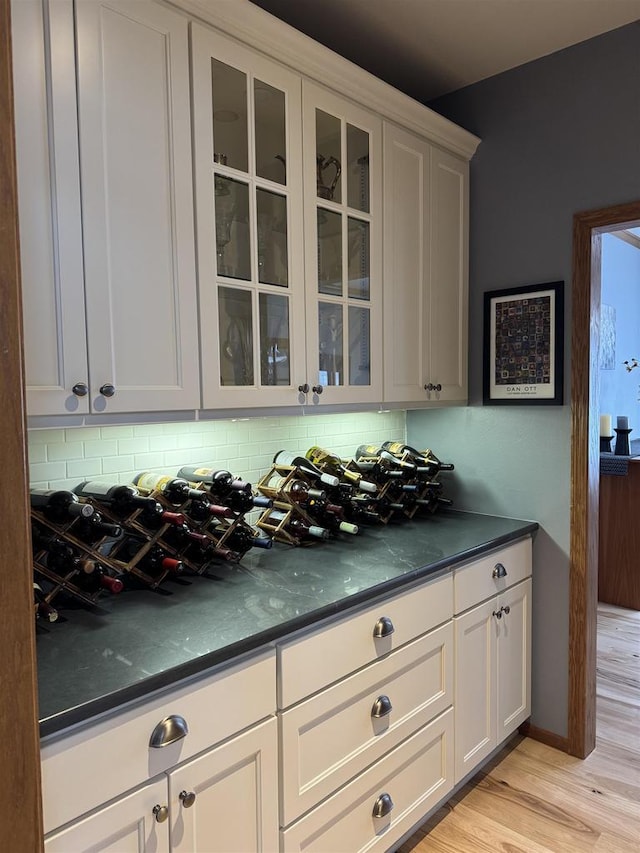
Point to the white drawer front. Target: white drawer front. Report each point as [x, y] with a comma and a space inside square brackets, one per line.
[315, 660]
[331, 737]
[417, 775]
[483, 578]
[118, 748]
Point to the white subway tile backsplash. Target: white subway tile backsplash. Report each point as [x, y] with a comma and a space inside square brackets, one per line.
[61, 458]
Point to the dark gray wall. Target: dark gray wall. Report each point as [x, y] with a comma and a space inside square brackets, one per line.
[559, 135]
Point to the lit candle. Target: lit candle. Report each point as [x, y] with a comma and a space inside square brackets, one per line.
[605, 426]
[622, 422]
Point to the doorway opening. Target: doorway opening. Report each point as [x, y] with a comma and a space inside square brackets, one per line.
[585, 465]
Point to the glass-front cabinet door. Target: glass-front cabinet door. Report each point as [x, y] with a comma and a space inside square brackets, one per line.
[343, 229]
[248, 180]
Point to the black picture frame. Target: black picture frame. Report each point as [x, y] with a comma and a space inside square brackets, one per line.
[524, 346]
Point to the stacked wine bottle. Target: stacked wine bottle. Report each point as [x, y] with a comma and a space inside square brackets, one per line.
[101, 538]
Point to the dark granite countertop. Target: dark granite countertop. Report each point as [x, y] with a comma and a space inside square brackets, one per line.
[141, 641]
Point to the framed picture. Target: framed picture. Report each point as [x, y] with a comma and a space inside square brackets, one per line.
[524, 345]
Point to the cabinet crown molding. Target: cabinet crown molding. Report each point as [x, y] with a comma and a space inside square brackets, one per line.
[262, 31]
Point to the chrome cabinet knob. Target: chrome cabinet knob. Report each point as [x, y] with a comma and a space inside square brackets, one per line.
[187, 798]
[80, 389]
[161, 813]
[381, 707]
[317, 389]
[498, 613]
[499, 571]
[383, 627]
[168, 731]
[304, 389]
[107, 390]
[382, 806]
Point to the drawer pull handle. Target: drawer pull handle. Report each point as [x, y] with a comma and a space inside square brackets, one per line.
[382, 806]
[498, 613]
[161, 813]
[187, 798]
[383, 627]
[381, 707]
[499, 571]
[168, 731]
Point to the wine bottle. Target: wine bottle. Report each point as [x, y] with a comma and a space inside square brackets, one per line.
[330, 516]
[201, 512]
[59, 505]
[150, 518]
[331, 463]
[121, 499]
[226, 489]
[370, 450]
[157, 561]
[425, 461]
[93, 527]
[288, 459]
[296, 490]
[91, 577]
[43, 609]
[299, 529]
[175, 489]
[242, 537]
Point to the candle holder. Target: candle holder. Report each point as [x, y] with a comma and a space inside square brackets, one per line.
[622, 442]
[605, 443]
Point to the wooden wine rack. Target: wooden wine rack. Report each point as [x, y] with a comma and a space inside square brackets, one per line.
[277, 528]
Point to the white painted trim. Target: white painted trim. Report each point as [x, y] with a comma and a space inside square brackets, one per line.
[262, 31]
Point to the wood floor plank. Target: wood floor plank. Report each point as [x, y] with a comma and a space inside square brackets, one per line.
[535, 799]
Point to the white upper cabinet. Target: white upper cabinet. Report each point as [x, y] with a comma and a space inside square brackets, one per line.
[343, 230]
[425, 271]
[124, 338]
[137, 205]
[248, 179]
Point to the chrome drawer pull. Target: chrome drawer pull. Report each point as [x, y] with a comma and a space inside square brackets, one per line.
[383, 627]
[187, 798]
[161, 813]
[381, 707]
[382, 806]
[499, 571]
[168, 731]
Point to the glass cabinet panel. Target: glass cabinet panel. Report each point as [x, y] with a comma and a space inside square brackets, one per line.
[328, 156]
[330, 344]
[274, 339]
[273, 262]
[233, 248]
[235, 328]
[229, 96]
[357, 168]
[270, 132]
[329, 252]
[358, 258]
[359, 346]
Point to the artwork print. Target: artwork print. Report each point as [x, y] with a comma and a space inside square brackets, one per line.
[523, 345]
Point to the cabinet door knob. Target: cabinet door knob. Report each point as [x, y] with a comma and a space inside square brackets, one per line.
[383, 627]
[506, 609]
[187, 798]
[382, 806]
[498, 613]
[438, 387]
[499, 571]
[161, 813]
[304, 389]
[80, 389]
[317, 389]
[381, 707]
[107, 390]
[168, 731]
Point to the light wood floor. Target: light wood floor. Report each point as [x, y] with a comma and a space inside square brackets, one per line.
[535, 799]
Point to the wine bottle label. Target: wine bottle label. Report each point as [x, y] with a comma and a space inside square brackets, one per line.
[152, 482]
[202, 472]
[394, 447]
[95, 488]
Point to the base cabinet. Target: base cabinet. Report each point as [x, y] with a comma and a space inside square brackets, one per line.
[492, 670]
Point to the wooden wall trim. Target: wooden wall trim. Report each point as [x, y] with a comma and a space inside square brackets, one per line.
[585, 339]
[19, 741]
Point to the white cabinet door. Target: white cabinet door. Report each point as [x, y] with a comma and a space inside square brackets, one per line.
[448, 308]
[248, 180]
[128, 825]
[343, 246]
[476, 684]
[514, 658]
[226, 801]
[406, 265]
[137, 206]
[49, 207]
